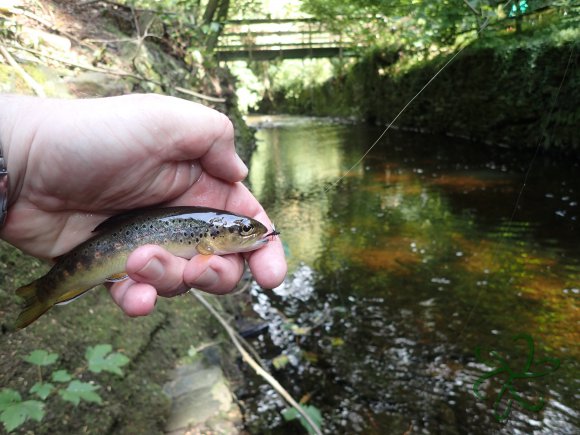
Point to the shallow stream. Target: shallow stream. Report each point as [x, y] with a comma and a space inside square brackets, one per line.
[429, 249]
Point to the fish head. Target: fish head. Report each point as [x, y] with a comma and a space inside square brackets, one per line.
[240, 234]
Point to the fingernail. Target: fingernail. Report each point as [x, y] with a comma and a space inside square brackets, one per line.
[153, 270]
[207, 279]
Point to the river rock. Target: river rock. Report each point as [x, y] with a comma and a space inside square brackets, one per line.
[201, 401]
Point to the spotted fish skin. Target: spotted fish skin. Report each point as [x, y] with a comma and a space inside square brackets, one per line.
[183, 231]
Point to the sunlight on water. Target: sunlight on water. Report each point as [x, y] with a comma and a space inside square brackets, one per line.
[406, 267]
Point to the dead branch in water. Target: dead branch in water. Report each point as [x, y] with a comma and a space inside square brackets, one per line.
[252, 363]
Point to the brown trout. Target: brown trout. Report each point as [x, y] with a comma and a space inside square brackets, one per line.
[183, 231]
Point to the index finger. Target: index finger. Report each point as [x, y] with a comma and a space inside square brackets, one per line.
[199, 133]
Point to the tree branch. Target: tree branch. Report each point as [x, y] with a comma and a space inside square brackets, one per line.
[252, 363]
[33, 84]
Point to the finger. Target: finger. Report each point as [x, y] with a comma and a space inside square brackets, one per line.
[268, 264]
[214, 274]
[135, 299]
[199, 132]
[151, 264]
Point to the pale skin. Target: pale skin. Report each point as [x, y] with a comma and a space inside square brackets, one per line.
[73, 163]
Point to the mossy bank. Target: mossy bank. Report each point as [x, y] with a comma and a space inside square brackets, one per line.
[64, 62]
[516, 90]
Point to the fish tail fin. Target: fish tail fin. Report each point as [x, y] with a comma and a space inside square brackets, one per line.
[34, 307]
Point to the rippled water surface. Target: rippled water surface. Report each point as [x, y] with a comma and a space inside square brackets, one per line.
[424, 252]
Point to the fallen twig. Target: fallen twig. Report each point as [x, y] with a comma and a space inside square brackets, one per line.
[38, 90]
[252, 363]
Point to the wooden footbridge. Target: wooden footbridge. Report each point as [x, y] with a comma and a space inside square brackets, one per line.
[292, 38]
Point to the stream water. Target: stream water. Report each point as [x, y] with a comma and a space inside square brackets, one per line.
[425, 252]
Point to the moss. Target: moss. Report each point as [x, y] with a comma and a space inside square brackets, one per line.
[498, 90]
[133, 403]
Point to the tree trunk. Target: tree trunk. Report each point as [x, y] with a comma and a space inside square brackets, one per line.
[222, 14]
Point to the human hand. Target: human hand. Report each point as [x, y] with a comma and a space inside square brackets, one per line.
[73, 163]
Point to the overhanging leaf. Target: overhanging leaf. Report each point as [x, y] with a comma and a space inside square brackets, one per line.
[100, 358]
[41, 357]
[78, 390]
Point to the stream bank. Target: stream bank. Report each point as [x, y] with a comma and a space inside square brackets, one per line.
[512, 90]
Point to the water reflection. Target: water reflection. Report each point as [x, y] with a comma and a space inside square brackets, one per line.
[404, 268]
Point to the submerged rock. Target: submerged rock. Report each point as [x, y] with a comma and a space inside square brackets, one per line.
[201, 401]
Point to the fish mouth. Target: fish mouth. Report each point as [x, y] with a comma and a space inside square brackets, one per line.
[271, 234]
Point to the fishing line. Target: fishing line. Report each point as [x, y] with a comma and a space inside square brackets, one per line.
[406, 106]
[484, 25]
[526, 176]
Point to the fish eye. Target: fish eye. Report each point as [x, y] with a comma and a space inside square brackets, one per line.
[246, 229]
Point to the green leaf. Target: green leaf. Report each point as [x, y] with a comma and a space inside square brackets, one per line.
[78, 390]
[280, 361]
[61, 376]
[300, 330]
[41, 357]
[8, 397]
[101, 359]
[312, 411]
[336, 341]
[42, 389]
[18, 412]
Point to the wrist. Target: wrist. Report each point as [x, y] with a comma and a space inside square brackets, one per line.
[14, 144]
[3, 188]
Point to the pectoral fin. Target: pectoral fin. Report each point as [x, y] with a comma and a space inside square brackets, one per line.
[204, 248]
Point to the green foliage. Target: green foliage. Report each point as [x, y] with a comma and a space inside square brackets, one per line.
[419, 25]
[78, 390]
[280, 361]
[14, 411]
[101, 358]
[312, 411]
[61, 376]
[42, 389]
[513, 80]
[41, 358]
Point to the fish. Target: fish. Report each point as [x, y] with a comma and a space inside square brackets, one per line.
[184, 231]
